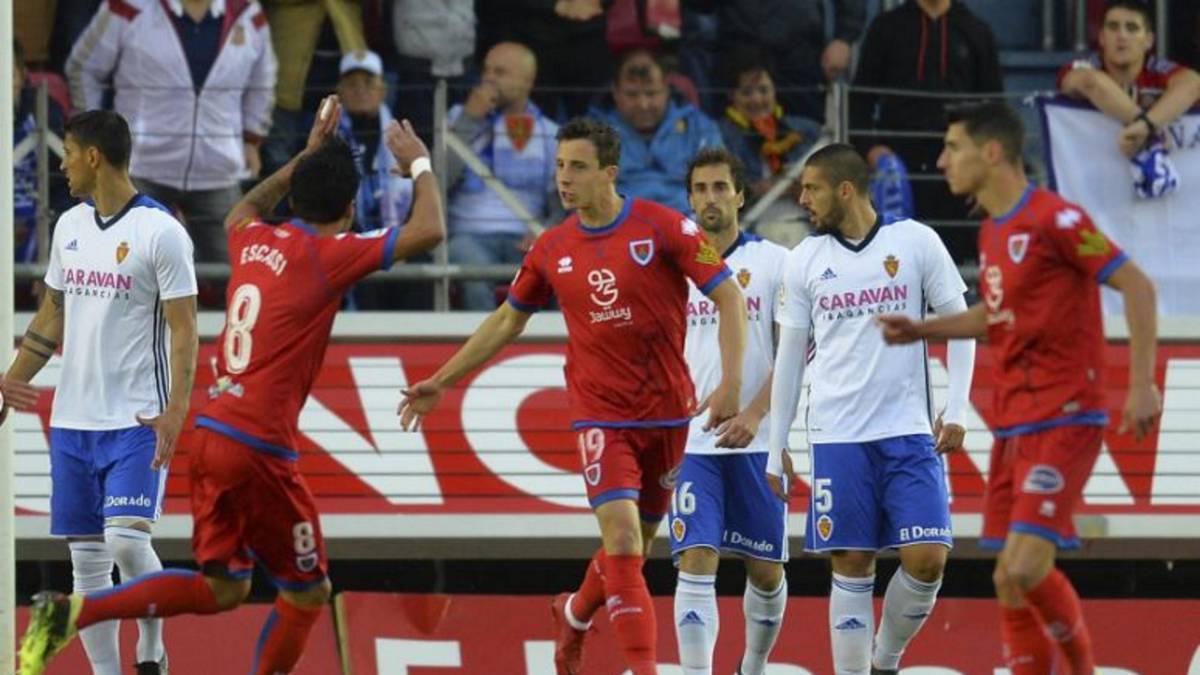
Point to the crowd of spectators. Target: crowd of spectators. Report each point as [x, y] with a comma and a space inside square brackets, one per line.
[218, 92]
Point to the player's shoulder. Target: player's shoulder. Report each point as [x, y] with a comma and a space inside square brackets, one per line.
[83, 212]
[1160, 66]
[763, 251]
[1050, 210]
[658, 214]
[807, 250]
[148, 214]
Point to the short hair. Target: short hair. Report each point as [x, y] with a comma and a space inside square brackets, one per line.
[715, 157]
[991, 121]
[741, 60]
[841, 163]
[1139, 6]
[602, 136]
[624, 67]
[104, 130]
[325, 182]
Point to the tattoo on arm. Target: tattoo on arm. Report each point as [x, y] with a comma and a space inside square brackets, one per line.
[56, 297]
[266, 195]
[38, 345]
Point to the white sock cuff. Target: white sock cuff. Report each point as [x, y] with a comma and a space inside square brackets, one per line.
[698, 583]
[916, 585]
[854, 584]
[768, 595]
[113, 532]
[575, 623]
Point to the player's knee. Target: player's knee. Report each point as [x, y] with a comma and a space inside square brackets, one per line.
[229, 593]
[1024, 573]
[764, 576]
[130, 546]
[314, 596]
[927, 568]
[622, 540]
[853, 563]
[699, 560]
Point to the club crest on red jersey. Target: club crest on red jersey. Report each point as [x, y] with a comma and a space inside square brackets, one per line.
[642, 251]
[1018, 246]
[520, 130]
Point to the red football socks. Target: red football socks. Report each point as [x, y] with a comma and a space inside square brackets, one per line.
[631, 612]
[1027, 650]
[283, 637]
[590, 595]
[160, 594]
[1058, 606]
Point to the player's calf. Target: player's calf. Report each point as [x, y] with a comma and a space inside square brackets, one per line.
[763, 605]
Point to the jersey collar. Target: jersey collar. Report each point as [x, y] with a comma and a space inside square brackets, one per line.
[742, 239]
[621, 216]
[1021, 203]
[104, 225]
[857, 248]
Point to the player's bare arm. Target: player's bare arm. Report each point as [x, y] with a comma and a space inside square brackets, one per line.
[500, 328]
[899, 329]
[741, 430]
[1144, 403]
[426, 227]
[180, 314]
[262, 199]
[42, 338]
[723, 402]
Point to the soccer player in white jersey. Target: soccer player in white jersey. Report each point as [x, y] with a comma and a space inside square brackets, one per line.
[877, 478]
[121, 290]
[722, 502]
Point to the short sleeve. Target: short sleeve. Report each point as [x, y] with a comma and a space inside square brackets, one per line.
[1075, 64]
[174, 267]
[54, 271]
[530, 290]
[795, 304]
[1082, 246]
[348, 257]
[692, 253]
[940, 281]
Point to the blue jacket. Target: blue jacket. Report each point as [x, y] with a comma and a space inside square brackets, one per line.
[656, 169]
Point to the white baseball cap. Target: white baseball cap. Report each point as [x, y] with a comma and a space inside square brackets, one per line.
[361, 60]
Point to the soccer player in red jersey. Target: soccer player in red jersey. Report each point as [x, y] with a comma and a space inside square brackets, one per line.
[1126, 81]
[619, 267]
[1041, 262]
[249, 501]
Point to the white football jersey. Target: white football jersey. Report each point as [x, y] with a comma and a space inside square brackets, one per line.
[861, 389]
[114, 276]
[757, 266]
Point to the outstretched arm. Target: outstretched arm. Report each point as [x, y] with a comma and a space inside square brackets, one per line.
[41, 339]
[899, 329]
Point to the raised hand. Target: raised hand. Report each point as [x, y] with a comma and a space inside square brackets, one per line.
[328, 115]
[405, 145]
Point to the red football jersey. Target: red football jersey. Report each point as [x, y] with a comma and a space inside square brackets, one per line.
[285, 288]
[623, 292]
[1040, 269]
[1151, 82]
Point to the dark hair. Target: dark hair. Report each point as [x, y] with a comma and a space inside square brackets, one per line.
[715, 157]
[324, 183]
[603, 137]
[104, 130]
[639, 72]
[991, 121]
[742, 60]
[841, 163]
[1140, 6]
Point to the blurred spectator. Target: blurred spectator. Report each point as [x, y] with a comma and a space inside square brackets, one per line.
[512, 137]
[1127, 82]
[25, 169]
[793, 33]
[934, 46]
[658, 136]
[384, 196]
[434, 39]
[71, 17]
[296, 27]
[766, 139]
[568, 39]
[195, 79]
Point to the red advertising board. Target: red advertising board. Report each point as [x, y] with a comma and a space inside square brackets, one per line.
[384, 634]
[500, 442]
[205, 645]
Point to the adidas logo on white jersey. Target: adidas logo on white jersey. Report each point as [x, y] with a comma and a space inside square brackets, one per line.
[73, 245]
[828, 274]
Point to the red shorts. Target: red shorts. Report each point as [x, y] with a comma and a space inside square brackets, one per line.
[1035, 482]
[251, 507]
[638, 464]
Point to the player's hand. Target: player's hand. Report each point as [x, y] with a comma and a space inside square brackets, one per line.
[722, 405]
[898, 329]
[405, 145]
[949, 436]
[835, 60]
[481, 101]
[253, 159]
[1142, 408]
[326, 124]
[739, 431]
[16, 395]
[166, 431]
[1133, 137]
[419, 400]
[782, 485]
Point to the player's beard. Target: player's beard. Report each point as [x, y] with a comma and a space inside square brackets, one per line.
[718, 225]
[832, 222]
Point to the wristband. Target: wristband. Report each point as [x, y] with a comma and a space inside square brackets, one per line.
[419, 166]
[1149, 125]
